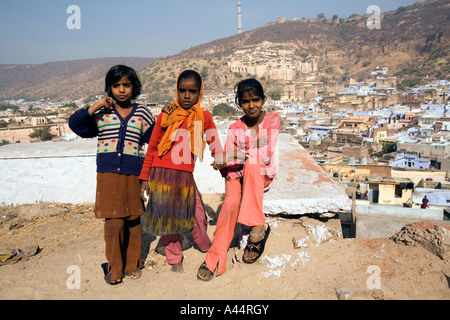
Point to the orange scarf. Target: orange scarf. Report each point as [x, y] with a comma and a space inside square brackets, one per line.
[195, 125]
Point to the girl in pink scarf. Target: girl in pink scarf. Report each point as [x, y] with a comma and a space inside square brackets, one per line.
[249, 166]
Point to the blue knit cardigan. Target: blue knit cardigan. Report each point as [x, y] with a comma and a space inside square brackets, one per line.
[121, 142]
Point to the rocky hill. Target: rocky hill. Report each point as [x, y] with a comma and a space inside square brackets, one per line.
[295, 58]
[62, 79]
[314, 55]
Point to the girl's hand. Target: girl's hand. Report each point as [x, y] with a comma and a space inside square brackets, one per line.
[145, 188]
[218, 166]
[169, 108]
[109, 103]
[220, 161]
[262, 142]
[105, 102]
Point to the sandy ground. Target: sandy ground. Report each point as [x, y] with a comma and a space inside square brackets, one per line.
[69, 263]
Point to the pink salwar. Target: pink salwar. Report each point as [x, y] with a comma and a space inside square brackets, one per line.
[172, 245]
[244, 204]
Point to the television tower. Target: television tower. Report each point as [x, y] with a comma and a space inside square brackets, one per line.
[239, 17]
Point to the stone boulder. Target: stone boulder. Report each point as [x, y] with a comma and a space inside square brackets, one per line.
[433, 237]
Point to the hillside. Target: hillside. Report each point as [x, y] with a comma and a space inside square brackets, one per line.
[413, 42]
[419, 29]
[312, 55]
[61, 80]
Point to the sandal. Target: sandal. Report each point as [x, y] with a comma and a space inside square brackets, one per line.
[134, 274]
[204, 267]
[112, 283]
[257, 247]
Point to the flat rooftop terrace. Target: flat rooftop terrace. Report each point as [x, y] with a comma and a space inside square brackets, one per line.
[64, 172]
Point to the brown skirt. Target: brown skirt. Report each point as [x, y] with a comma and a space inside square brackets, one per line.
[118, 196]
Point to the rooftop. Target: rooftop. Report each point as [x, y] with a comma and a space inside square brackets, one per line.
[64, 172]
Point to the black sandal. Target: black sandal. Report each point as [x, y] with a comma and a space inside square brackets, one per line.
[204, 267]
[108, 280]
[257, 247]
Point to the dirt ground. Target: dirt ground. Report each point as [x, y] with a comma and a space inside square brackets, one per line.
[306, 258]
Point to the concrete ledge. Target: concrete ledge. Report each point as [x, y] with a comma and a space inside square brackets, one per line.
[378, 221]
[302, 186]
[399, 212]
[372, 227]
[66, 172]
[48, 172]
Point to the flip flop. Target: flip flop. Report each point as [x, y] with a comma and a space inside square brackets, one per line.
[113, 284]
[135, 274]
[257, 247]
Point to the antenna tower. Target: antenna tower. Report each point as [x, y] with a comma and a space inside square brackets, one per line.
[239, 17]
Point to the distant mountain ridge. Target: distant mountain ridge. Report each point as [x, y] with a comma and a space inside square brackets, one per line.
[318, 55]
[417, 21]
[62, 79]
[413, 42]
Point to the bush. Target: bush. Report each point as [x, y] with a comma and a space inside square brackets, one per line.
[223, 110]
[43, 133]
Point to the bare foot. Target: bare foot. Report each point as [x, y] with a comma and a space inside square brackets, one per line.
[178, 267]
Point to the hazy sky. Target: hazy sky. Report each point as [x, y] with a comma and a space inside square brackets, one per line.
[36, 31]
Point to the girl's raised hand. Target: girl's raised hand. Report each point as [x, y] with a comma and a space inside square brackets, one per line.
[169, 108]
[109, 103]
[106, 102]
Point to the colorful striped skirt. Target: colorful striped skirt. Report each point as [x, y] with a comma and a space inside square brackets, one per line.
[171, 205]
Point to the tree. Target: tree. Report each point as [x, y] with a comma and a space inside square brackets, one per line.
[6, 106]
[274, 90]
[325, 80]
[70, 105]
[204, 73]
[223, 109]
[275, 94]
[43, 133]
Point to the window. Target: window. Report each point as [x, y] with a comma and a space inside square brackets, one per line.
[398, 191]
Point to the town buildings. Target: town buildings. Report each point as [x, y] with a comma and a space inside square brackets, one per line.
[366, 134]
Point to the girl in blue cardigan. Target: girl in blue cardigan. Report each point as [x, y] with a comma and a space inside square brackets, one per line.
[122, 128]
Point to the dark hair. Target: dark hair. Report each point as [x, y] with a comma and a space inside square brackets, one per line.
[248, 86]
[191, 74]
[116, 73]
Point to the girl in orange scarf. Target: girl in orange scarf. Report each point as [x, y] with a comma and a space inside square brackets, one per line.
[174, 205]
